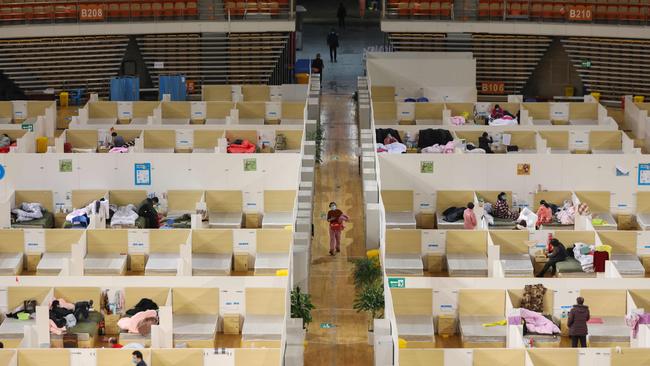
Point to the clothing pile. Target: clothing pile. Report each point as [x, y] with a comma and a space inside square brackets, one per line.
[566, 214]
[382, 133]
[453, 214]
[503, 121]
[457, 120]
[430, 137]
[533, 298]
[393, 148]
[440, 149]
[140, 318]
[537, 323]
[592, 258]
[79, 218]
[124, 216]
[241, 147]
[65, 315]
[28, 212]
[5, 143]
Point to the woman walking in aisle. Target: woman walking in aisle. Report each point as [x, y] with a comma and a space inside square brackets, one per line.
[335, 218]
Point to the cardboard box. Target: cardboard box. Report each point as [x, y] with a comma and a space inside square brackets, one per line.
[138, 262]
[425, 220]
[252, 221]
[32, 262]
[110, 324]
[59, 219]
[446, 324]
[231, 324]
[541, 259]
[435, 263]
[241, 262]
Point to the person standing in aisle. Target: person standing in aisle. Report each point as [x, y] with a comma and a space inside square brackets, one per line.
[341, 13]
[317, 66]
[333, 43]
[138, 359]
[577, 323]
[469, 217]
[335, 218]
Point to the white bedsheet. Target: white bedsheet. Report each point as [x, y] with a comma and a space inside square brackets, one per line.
[277, 220]
[10, 263]
[251, 121]
[102, 121]
[162, 264]
[210, 264]
[51, 263]
[400, 220]
[225, 220]
[262, 327]
[404, 264]
[105, 264]
[13, 328]
[195, 326]
[269, 263]
[215, 121]
[175, 121]
[415, 327]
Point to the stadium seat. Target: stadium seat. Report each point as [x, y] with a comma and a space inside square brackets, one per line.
[190, 9]
[434, 8]
[136, 10]
[445, 8]
[496, 9]
[483, 8]
[536, 10]
[168, 9]
[229, 8]
[113, 10]
[156, 9]
[179, 9]
[125, 9]
[65, 11]
[146, 9]
[403, 9]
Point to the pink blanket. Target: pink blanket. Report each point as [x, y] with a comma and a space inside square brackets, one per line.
[56, 330]
[537, 323]
[62, 303]
[131, 324]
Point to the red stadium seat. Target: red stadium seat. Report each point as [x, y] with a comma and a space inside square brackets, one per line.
[179, 9]
[445, 8]
[125, 9]
[483, 8]
[191, 9]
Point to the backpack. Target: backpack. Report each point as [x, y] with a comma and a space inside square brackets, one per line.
[280, 142]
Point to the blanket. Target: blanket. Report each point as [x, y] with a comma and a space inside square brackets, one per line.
[567, 214]
[505, 121]
[440, 149]
[537, 323]
[393, 148]
[124, 216]
[131, 324]
[586, 260]
[28, 212]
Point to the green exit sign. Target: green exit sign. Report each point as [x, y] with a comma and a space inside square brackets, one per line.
[586, 63]
[396, 282]
[27, 126]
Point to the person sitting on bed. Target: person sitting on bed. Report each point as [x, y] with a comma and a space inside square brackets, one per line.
[544, 214]
[148, 211]
[469, 218]
[498, 112]
[502, 210]
[118, 141]
[484, 143]
[138, 358]
[558, 254]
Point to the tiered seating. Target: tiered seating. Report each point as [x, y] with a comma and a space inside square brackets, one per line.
[423, 9]
[35, 64]
[507, 59]
[255, 8]
[618, 66]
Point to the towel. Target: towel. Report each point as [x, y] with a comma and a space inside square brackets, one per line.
[494, 324]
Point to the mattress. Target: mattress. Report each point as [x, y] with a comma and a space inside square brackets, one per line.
[517, 265]
[467, 265]
[162, 264]
[603, 151]
[571, 268]
[11, 263]
[560, 151]
[45, 222]
[557, 226]
[139, 120]
[6, 120]
[209, 264]
[126, 337]
[291, 121]
[251, 121]
[51, 263]
[428, 121]
[262, 327]
[277, 220]
[105, 264]
[415, 328]
[613, 329]
[195, 326]
[446, 225]
[175, 121]
[644, 220]
[215, 121]
[628, 265]
[542, 122]
[269, 263]
[102, 121]
[404, 264]
[609, 223]
[472, 329]
[499, 222]
[85, 329]
[14, 329]
[583, 122]
[400, 220]
[543, 340]
[225, 220]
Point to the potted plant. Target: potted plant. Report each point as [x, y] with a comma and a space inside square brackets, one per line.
[367, 271]
[371, 300]
[301, 307]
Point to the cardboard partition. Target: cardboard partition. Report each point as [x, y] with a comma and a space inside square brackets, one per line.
[458, 109]
[293, 138]
[605, 140]
[583, 111]
[382, 93]
[167, 241]
[251, 110]
[397, 200]
[293, 110]
[144, 109]
[523, 139]
[45, 198]
[553, 356]
[256, 93]
[183, 201]
[16, 296]
[250, 135]
[159, 139]
[40, 357]
[516, 296]
[82, 139]
[132, 295]
[213, 241]
[129, 135]
[224, 201]
[421, 357]
[37, 108]
[177, 357]
[13, 241]
[538, 110]
[176, 110]
[605, 302]
[189, 300]
[257, 356]
[14, 134]
[107, 241]
[556, 139]
[598, 201]
[569, 237]
[384, 111]
[466, 242]
[641, 298]
[630, 356]
[207, 139]
[510, 241]
[8, 357]
[554, 197]
[403, 241]
[412, 301]
[61, 241]
[279, 200]
[643, 202]
[102, 110]
[274, 240]
[265, 301]
[481, 302]
[126, 197]
[446, 199]
[429, 111]
[217, 93]
[218, 110]
[76, 294]
[491, 196]
[83, 197]
[501, 357]
[469, 136]
[119, 356]
[7, 110]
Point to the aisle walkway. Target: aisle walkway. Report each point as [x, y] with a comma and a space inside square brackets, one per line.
[337, 179]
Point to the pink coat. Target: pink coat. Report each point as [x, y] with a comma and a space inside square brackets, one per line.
[131, 324]
[469, 219]
[537, 323]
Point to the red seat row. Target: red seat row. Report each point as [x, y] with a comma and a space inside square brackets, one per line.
[420, 8]
[241, 8]
[624, 10]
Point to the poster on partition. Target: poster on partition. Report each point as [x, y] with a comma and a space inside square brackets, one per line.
[644, 174]
[142, 172]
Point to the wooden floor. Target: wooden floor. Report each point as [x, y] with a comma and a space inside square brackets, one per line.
[337, 179]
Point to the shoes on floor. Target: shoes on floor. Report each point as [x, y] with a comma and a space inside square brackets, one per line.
[331, 252]
[338, 250]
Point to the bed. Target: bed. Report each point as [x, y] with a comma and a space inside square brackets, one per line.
[612, 332]
[447, 199]
[261, 327]
[571, 268]
[603, 221]
[475, 334]
[87, 331]
[467, 265]
[102, 121]
[277, 220]
[51, 263]
[628, 265]
[404, 264]
[13, 330]
[45, 222]
[194, 327]
[273, 251]
[517, 265]
[400, 220]
[211, 264]
[175, 121]
[398, 205]
[162, 264]
[267, 264]
[225, 220]
[415, 328]
[225, 209]
[503, 223]
[105, 264]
